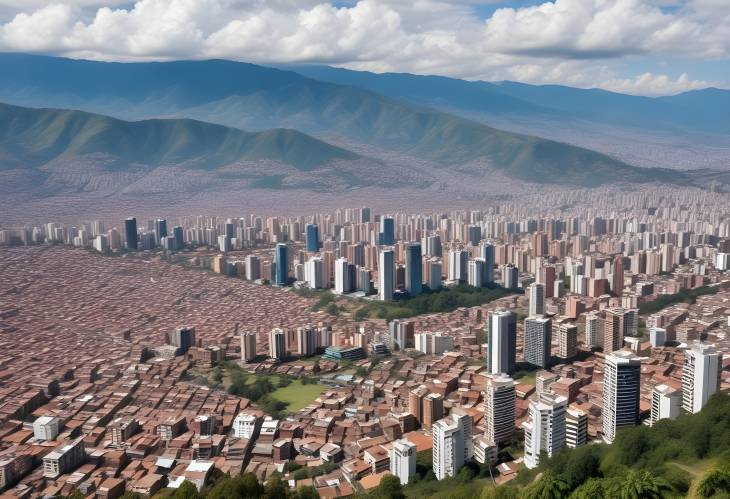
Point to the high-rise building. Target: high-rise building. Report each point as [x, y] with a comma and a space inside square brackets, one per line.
[403, 333]
[477, 268]
[433, 273]
[536, 293]
[387, 231]
[432, 409]
[657, 336]
[183, 338]
[282, 264]
[486, 251]
[277, 344]
[700, 375]
[311, 236]
[177, 234]
[343, 276]
[567, 340]
[499, 408]
[414, 269]
[502, 342]
[666, 403]
[594, 331]
[621, 384]
[576, 427]
[614, 329]
[314, 273]
[160, 229]
[130, 233]
[538, 337]
[386, 274]
[545, 427]
[458, 265]
[403, 460]
[452, 444]
[307, 341]
[617, 276]
[510, 276]
[248, 346]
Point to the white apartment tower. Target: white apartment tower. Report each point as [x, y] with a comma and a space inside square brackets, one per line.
[452, 444]
[701, 375]
[499, 408]
[545, 427]
[576, 427]
[665, 403]
[248, 346]
[403, 460]
[386, 274]
[502, 342]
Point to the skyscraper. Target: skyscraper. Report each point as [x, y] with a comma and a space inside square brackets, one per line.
[307, 341]
[386, 274]
[617, 276]
[414, 269]
[343, 282]
[486, 251]
[311, 235]
[567, 340]
[177, 233]
[130, 232]
[700, 375]
[452, 444]
[594, 330]
[387, 231]
[510, 276]
[160, 229]
[538, 337]
[621, 384]
[502, 342]
[248, 346]
[458, 270]
[614, 329]
[277, 344]
[499, 408]
[537, 298]
[545, 427]
[477, 267]
[403, 460]
[282, 264]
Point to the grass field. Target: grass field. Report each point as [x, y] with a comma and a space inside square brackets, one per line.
[297, 395]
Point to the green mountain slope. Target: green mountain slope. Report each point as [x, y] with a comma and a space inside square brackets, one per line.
[252, 97]
[33, 137]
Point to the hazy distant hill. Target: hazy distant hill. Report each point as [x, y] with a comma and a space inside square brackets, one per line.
[699, 110]
[254, 97]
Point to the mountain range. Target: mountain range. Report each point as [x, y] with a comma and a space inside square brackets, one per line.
[358, 128]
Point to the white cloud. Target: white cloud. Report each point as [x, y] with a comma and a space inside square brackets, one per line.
[568, 41]
[655, 84]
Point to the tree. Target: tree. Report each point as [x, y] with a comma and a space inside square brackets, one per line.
[501, 492]
[642, 485]
[275, 488]
[715, 481]
[187, 491]
[75, 495]
[594, 488]
[549, 486]
[389, 488]
[131, 495]
[306, 493]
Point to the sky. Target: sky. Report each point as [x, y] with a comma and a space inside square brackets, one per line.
[644, 47]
